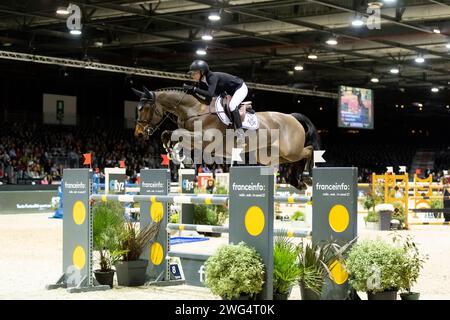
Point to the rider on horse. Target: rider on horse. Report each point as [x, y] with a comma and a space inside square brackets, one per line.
[217, 84]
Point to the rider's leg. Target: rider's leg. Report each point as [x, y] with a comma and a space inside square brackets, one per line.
[236, 100]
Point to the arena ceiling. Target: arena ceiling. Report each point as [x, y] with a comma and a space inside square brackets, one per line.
[261, 40]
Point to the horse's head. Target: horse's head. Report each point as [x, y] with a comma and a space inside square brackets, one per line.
[148, 115]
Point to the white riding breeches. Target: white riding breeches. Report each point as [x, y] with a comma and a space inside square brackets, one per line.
[238, 97]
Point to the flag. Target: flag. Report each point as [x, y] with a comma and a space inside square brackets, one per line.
[165, 161]
[87, 159]
[121, 163]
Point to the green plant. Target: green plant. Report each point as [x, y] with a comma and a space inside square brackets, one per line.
[312, 269]
[414, 261]
[205, 215]
[133, 240]
[174, 218]
[107, 228]
[437, 204]
[371, 201]
[298, 216]
[399, 212]
[235, 270]
[375, 266]
[285, 269]
[372, 217]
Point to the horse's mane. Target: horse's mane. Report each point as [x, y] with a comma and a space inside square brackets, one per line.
[171, 89]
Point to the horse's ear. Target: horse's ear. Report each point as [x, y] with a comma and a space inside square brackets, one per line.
[140, 94]
[149, 94]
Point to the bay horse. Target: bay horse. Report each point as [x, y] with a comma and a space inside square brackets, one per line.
[297, 137]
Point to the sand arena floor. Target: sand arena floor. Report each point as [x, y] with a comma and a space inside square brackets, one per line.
[31, 257]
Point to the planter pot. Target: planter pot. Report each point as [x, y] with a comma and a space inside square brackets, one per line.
[373, 225]
[410, 295]
[308, 294]
[105, 277]
[385, 295]
[131, 273]
[242, 297]
[385, 220]
[211, 234]
[280, 296]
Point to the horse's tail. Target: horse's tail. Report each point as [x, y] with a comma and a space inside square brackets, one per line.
[312, 137]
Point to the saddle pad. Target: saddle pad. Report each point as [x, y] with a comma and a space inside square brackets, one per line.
[250, 122]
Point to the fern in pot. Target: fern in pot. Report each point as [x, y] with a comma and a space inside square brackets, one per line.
[107, 228]
[235, 272]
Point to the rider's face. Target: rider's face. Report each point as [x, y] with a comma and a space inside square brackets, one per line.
[195, 75]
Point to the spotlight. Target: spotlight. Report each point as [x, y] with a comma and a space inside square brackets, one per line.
[62, 11]
[207, 37]
[214, 16]
[75, 32]
[435, 89]
[357, 22]
[375, 80]
[394, 70]
[312, 56]
[298, 67]
[332, 41]
[419, 59]
[201, 52]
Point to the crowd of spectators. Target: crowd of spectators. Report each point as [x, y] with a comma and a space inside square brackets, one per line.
[39, 153]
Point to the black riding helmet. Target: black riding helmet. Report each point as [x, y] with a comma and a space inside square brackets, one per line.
[199, 65]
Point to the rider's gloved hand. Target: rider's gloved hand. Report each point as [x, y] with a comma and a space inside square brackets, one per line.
[188, 88]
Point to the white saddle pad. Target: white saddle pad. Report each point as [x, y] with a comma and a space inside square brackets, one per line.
[250, 122]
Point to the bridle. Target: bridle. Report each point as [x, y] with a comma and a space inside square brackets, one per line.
[145, 125]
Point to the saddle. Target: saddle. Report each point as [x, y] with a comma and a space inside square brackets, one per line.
[244, 107]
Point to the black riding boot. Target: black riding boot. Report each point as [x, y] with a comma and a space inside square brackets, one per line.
[238, 126]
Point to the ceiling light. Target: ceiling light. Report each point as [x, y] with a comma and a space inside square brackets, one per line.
[7, 44]
[332, 41]
[201, 52]
[98, 44]
[436, 30]
[420, 105]
[207, 37]
[447, 45]
[298, 67]
[290, 72]
[312, 56]
[394, 70]
[62, 11]
[447, 106]
[357, 22]
[389, 1]
[434, 89]
[214, 16]
[419, 59]
[420, 109]
[75, 32]
[375, 80]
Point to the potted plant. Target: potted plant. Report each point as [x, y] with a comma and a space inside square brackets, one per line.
[372, 221]
[131, 270]
[411, 270]
[312, 271]
[285, 269]
[235, 272]
[385, 212]
[107, 226]
[376, 267]
[206, 215]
